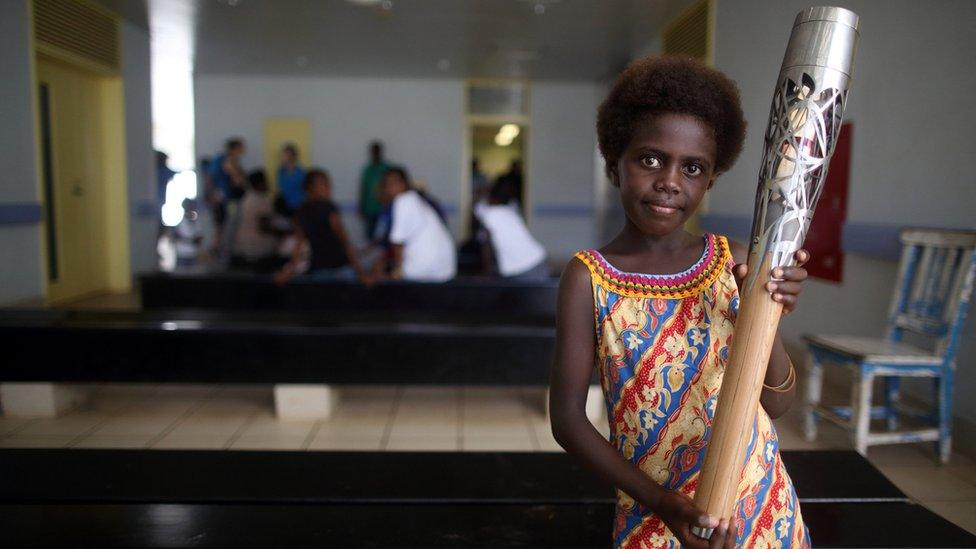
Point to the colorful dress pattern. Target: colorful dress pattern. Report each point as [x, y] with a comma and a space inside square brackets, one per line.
[662, 345]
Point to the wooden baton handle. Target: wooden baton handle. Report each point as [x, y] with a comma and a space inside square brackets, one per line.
[738, 402]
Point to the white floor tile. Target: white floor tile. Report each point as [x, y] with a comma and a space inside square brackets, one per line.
[423, 443]
[512, 443]
[324, 441]
[136, 425]
[192, 442]
[961, 513]
[109, 441]
[36, 441]
[277, 441]
[70, 424]
[930, 483]
[11, 424]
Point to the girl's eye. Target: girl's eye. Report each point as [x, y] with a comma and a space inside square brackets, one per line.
[693, 169]
[651, 162]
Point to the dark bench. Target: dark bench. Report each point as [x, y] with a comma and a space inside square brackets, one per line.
[110, 498]
[230, 291]
[214, 346]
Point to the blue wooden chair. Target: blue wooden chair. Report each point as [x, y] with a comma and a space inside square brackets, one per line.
[935, 281]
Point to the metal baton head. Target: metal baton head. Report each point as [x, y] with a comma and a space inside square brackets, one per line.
[804, 122]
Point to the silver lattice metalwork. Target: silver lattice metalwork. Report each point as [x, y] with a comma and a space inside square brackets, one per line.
[804, 122]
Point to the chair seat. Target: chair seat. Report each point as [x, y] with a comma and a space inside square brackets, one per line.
[875, 350]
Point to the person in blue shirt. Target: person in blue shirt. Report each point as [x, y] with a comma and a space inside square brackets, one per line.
[290, 178]
[225, 182]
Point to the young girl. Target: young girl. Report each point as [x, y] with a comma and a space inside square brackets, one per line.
[656, 308]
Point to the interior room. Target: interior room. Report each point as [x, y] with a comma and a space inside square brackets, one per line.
[508, 273]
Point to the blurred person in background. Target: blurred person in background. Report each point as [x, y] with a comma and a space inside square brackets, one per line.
[517, 254]
[369, 182]
[512, 182]
[186, 236]
[225, 184]
[421, 247]
[255, 240]
[319, 223]
[291, 175]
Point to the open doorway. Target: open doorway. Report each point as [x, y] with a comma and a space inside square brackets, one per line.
[497, 154]
[496, 158]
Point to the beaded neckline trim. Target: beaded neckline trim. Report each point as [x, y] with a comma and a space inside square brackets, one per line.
[673, 286]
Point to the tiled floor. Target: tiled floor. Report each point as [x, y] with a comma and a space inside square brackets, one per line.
[408, 418]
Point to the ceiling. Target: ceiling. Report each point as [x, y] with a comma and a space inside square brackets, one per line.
[538, 39]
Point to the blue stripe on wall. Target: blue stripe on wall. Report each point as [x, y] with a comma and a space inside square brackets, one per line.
[736, 226]
[20, 214]
[542, 210]
[870, 239]
[563, 210]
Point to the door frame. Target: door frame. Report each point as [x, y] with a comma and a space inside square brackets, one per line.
[469, 121]
[111, 97]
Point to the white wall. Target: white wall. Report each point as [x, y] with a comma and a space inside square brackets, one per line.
[421, 122]
[562, 141]
[20, 268]
[913, 115]
[140, 161]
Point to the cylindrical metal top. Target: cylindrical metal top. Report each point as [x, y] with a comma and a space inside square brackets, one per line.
[823, 37]
[827, 13]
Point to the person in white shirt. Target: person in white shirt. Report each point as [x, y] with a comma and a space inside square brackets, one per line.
[519, 256]
[254, 241]
[422, 248]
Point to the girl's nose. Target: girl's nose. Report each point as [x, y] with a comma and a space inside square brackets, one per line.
[668, 181]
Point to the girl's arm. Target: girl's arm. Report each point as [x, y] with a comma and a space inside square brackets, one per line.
[335, 221]
[778, 402]
[571, 371]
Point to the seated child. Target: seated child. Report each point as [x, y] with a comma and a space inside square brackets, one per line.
[254, 240]
[519, 256]
[664, 303]
[319, 223]
[421, 247]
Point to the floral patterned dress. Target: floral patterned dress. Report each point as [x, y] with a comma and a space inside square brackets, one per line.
[662, 345]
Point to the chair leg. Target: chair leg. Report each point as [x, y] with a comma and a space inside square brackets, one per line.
[861, 410]
[892, 396]
[814, 386]
[944, 402]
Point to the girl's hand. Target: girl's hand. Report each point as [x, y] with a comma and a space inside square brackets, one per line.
[786, 282]
[679, 514]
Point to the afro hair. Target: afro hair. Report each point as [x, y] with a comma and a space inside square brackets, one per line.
[671, 84]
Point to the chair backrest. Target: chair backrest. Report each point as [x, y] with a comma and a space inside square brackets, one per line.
[935, 282]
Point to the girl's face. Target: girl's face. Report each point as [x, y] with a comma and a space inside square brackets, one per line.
[664, 172]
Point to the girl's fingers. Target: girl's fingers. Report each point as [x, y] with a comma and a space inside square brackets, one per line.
[785, 288]
[801, 256]
[788, 301]
[798, 274]
[717, 541]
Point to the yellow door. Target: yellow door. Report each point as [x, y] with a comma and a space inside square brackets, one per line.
[279, 132]
[72, 130]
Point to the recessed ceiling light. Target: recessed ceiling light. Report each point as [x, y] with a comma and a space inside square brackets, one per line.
[444, 65]
[301, 61]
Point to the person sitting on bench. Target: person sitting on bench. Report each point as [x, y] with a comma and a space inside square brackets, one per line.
[255, 241]
[319, 222]
[518, 255]
[421, 246]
